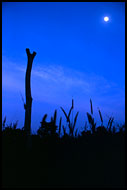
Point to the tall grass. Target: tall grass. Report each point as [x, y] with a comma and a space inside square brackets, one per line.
[70, 124]
[91, 118]
[50, 128]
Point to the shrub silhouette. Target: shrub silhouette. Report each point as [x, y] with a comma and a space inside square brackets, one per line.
[48, 128]
[101, 130]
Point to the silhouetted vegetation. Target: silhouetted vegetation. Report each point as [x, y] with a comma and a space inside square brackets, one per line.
[91, 158]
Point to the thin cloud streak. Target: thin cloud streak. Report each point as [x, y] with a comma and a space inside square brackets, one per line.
[58, 78]
[57, 84]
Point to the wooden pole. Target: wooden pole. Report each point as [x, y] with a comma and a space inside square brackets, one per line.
[28, 105]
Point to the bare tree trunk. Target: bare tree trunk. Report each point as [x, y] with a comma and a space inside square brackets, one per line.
[28, 105]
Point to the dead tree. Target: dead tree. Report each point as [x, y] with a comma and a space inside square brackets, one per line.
[28, 105]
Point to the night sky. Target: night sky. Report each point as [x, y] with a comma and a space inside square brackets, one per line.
[79, 55]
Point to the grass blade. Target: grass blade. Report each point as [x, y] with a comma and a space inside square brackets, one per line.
[91, 106]
[90, 119]
[75, 120]
[64, 130]
[55, 115]
[72, 103]
[4, 121]
[69, 113]
[100, 116]
[44, 118]
[60, 125]
[65, 114]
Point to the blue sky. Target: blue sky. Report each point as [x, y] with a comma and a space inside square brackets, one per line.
[79, 55]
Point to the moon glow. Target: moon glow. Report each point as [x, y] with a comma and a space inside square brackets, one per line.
[106, 19]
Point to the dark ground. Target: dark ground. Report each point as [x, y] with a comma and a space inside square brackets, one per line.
[89, 161]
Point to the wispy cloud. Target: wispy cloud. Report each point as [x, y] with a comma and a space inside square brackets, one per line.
[58, 77]
[57, 84]
[54, 85]
[69, 78]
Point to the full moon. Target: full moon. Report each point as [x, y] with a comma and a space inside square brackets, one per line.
[106, 18]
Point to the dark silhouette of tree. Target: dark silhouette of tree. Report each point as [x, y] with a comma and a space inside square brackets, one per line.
[28, 105]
